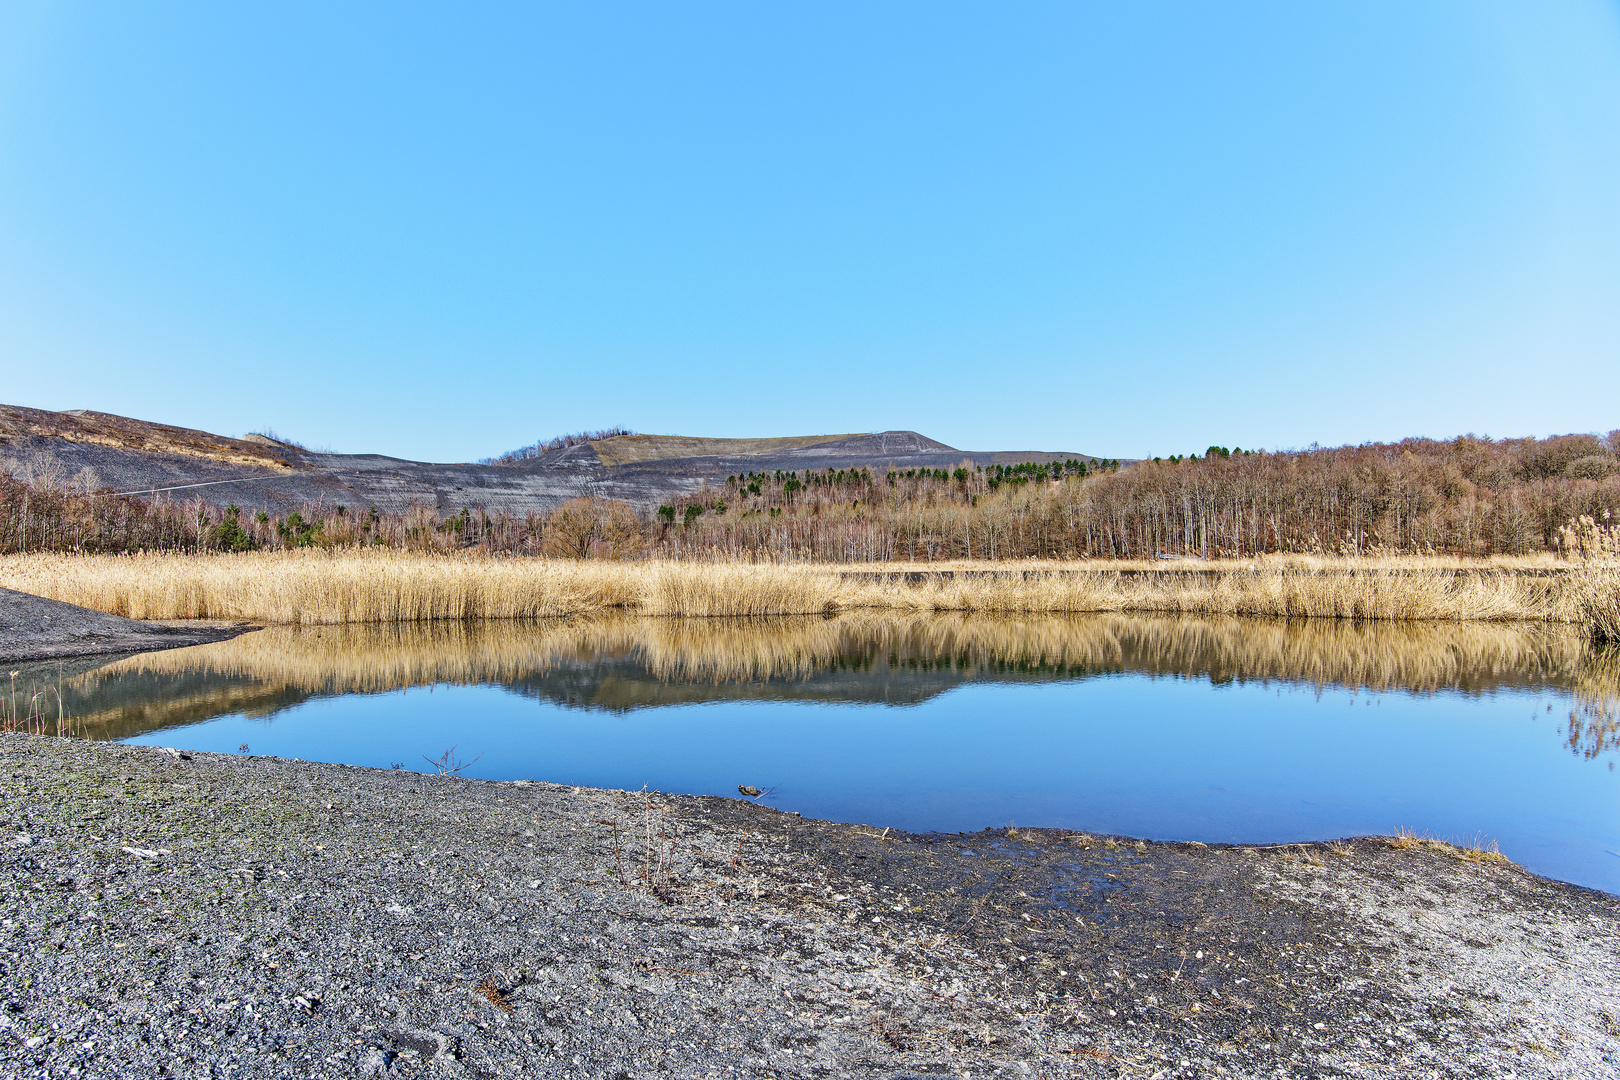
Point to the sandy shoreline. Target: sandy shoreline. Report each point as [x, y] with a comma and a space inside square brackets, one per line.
[169, 915]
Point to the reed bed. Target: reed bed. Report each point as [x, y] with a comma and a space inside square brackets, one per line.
[1597, 602]
[382, 586]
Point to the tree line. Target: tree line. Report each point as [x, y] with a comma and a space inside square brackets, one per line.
[1466, 496]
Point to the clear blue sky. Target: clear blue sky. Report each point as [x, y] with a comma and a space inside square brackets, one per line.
[1123, 229]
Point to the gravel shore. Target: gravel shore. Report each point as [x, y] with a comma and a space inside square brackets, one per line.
[33, 628]
[164, 914]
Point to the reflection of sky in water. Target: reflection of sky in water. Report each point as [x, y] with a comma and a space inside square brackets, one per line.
[1163, 758]
[1263, 758]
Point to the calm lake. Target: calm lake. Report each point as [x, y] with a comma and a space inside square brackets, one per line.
[1191, 729]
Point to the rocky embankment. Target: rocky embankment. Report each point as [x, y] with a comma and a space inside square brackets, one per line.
[33, 628]
[164, 914]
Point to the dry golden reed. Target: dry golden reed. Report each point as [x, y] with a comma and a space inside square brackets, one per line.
[35, 706]
[380, 586]
[1597, 602]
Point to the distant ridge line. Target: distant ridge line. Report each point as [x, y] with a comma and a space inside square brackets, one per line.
[124, 455]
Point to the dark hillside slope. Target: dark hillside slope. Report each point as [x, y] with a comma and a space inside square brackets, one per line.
[97, 450]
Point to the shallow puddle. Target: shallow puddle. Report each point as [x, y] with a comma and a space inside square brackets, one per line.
[1195, 729]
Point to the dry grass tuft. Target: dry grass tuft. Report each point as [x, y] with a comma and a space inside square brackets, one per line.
[1481, 853]
[492, 994]
[1478, 851]
[1405, 840]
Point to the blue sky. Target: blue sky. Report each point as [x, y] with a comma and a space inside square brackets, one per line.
[1123, 229]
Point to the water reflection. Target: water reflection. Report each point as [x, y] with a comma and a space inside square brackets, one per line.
[1212, 729]
[627, 663]
[1594, 722]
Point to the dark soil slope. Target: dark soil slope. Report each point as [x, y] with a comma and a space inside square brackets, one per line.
[135, 456]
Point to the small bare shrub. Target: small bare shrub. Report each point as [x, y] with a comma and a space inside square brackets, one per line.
[447, 764]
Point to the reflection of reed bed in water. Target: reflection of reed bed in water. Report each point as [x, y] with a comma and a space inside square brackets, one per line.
[1597, 603]
[359, 658]
[264, 672]
[372, 659]
[1415, 657]
[1594, 722]
[359, 586]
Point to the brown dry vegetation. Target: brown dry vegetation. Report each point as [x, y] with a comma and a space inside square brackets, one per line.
[105, 429]
[1597, 602]
[380, 585]
[1468, 497]
[560, 442]
[1528, 501]
[34, 707]
[1471, 497]
[628, 447]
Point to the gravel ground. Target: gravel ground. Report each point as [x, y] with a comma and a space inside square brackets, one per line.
[164, 914]
[33, 628]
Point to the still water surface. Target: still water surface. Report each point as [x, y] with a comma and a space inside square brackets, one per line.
[1192, 729]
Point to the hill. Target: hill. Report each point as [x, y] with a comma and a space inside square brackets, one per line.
[102, 450]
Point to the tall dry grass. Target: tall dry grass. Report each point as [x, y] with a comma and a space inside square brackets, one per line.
[384, 586]
[35, 706]
[1597, 602]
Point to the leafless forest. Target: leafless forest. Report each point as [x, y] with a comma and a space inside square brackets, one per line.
[1467, 496]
